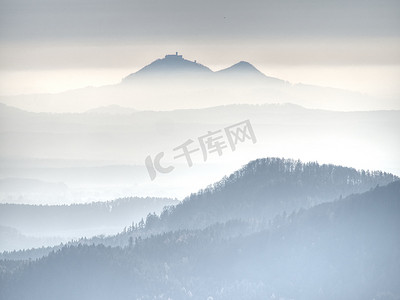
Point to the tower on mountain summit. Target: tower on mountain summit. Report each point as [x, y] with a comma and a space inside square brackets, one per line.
[174, 56]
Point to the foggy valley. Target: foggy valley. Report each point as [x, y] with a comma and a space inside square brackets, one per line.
[201, 150]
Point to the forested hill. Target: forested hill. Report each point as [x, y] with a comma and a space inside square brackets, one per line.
[264, 188]
[261, 190]
[347, 249]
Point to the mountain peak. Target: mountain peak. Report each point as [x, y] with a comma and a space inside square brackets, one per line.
[171, 64]
[241, 67]
[244, 64]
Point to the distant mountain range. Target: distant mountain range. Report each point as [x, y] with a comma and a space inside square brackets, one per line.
[174, 82]
[178, 68]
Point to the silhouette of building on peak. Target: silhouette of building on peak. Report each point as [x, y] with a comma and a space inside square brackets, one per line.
[174, 56]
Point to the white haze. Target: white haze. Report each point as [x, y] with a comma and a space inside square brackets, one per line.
[100, 156]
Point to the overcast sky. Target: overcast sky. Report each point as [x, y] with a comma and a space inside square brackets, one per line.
[151, 19]
[282, 38]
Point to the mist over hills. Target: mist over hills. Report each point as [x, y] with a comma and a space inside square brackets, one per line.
[259, 191]
[174, 82]
[54, 223]
[345, 248]
[253, 192]
[275, 228]
[256, 193]
[234, 169]
[11, 239]
[100, 156]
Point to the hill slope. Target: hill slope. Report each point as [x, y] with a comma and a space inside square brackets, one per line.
[264, 188]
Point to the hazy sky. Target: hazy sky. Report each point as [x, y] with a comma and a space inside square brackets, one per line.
[53, 45]
[57, 20]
